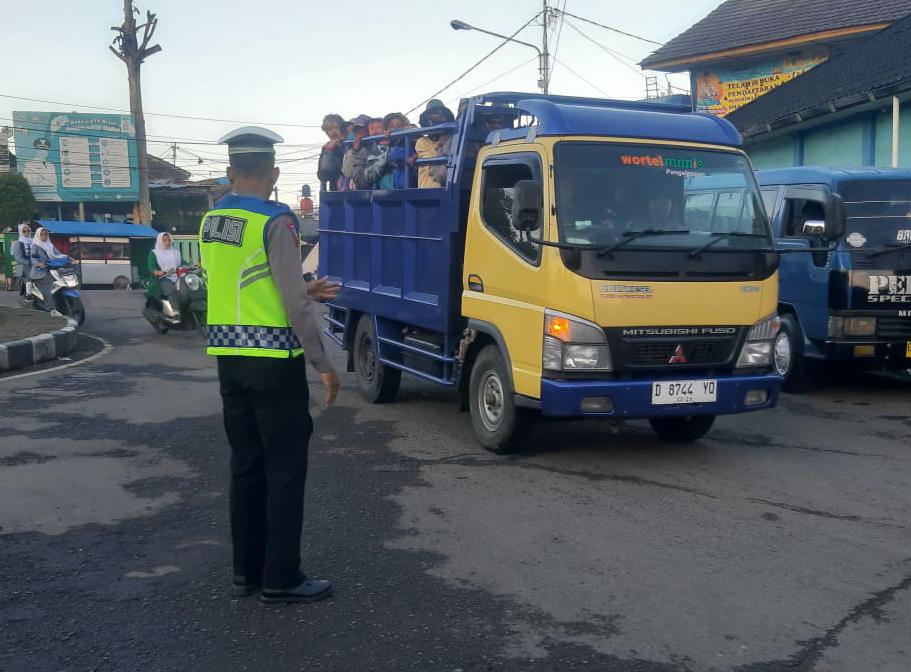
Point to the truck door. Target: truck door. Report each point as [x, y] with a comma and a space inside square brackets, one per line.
[502, 276]
[804, 276]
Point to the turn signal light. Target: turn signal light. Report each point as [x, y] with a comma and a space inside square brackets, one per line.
[558, 327]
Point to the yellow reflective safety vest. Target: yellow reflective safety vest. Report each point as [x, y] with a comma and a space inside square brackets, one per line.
[246, 316]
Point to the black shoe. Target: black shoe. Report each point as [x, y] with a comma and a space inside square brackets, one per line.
[243, 587]
[311, 590]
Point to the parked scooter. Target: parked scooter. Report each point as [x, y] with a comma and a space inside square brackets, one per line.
[185, 310]
[64, 291]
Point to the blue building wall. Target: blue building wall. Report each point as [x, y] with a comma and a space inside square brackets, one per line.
[862, 140]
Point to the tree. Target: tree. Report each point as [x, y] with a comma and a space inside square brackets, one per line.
[17, 203]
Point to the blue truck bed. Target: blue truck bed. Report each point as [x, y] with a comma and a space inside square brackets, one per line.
[397, 253]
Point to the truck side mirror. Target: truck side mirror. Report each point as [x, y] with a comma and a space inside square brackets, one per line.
[836, 219]
[814, 228]
[527, 204]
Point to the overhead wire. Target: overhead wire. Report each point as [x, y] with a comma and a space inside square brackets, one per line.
[616, 30]
[550, 70]
[587, 81]
[610, 52]
[150, 138]
[476, 64]
[491, 81]
[159, 114]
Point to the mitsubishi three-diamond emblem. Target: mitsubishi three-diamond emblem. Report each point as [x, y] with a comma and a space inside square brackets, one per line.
[678, 357]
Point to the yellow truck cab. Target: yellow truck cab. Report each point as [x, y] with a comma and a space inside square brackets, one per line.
[591, 258]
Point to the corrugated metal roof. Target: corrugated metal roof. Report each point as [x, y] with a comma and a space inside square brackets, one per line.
[112, 229]
[878, 66]
[742, 23]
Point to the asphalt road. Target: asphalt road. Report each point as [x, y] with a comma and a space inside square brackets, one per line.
[780, 542]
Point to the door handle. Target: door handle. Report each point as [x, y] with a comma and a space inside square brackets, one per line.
[475, 283]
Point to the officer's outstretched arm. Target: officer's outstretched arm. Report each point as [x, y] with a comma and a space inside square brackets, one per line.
[285, 263]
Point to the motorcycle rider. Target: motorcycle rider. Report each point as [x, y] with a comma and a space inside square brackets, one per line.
[163, 262]
[43, 250]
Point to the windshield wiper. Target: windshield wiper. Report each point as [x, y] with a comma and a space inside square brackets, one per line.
[630, 236]
[890, 248]
[717, 237]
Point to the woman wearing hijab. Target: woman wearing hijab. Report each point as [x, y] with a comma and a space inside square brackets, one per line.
[163, 262]
[22, 254]
[43, 250]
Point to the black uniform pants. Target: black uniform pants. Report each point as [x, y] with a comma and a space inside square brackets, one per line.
[268, 423]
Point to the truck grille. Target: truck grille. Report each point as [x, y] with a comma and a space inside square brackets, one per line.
[893, 328]
[661, 352]
[695, 352]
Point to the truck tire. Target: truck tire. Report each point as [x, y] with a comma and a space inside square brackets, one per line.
[501, 427]
[682, 429]
[378, 383]
[787, 353]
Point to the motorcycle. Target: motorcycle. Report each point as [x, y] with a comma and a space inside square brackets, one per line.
[64, 291]
[185, 310]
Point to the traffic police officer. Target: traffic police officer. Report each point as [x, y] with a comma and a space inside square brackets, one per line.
[261, 325]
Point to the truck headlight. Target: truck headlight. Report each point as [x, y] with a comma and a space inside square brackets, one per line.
[574, 344]
[757, 349]
[851, 326]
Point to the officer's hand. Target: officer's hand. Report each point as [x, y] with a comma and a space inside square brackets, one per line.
[322, 289]
[332, 385]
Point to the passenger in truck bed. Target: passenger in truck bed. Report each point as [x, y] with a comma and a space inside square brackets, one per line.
[396, 159]
[433, 145]
[355, 160]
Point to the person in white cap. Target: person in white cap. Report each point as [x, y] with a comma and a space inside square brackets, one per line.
[261, 325]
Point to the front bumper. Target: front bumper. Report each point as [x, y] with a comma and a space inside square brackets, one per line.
[633, 398]
[887, 354]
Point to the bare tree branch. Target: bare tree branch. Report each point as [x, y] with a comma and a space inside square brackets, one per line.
[118, 55]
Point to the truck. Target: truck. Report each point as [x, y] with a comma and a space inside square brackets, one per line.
[569, 268]
[845, 296]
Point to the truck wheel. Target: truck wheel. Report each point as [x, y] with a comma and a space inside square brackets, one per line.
[788, 356]
[379, 383]
[682, 429]
[500, 426]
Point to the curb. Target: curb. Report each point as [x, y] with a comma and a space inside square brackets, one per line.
[41, 348]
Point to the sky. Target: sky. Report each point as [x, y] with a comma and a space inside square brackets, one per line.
[284, 64]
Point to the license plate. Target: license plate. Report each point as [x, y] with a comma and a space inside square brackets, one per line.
[908, 349]
[684, 392]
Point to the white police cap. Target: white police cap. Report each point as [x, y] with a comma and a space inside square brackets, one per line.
[251, 140]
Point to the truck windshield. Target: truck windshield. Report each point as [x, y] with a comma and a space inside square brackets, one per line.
[607, 193]
[878, 212]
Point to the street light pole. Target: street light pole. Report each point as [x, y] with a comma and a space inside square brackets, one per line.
[542, 60]
[544, 66]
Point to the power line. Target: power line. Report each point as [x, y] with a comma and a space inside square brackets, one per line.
[486, 56]
[491, 81]
[608, 51]
[159, 114]
[164, 139]
[557, 41]
[616, 30]
[590, 83]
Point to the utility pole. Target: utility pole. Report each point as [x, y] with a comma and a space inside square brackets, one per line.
[545, 56]
[133, 52]
[174, 153]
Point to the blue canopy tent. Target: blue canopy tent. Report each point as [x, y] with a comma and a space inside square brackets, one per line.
[110, 254]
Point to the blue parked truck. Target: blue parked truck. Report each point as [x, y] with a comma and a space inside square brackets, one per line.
[563, 270]
[845, 295]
